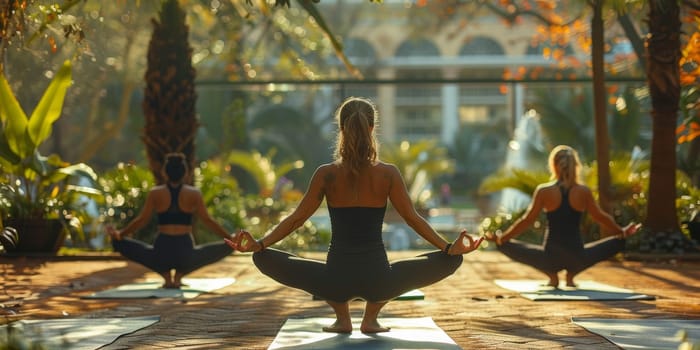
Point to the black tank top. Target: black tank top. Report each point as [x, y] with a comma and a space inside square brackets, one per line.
[564, 224]
[174, 215]
[356, 228]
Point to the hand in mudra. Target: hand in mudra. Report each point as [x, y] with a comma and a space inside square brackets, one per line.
[243, 242]
[464, 244]
[630, 229]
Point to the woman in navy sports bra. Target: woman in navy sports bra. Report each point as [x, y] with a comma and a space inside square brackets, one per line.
[173, 254]
[564, 200]
[356, 188]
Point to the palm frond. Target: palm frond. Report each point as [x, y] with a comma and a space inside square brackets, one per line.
[522, 180]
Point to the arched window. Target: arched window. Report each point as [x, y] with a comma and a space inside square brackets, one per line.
[481, 46]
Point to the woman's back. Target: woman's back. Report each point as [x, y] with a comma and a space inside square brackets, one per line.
[577, 196]
[370, 189]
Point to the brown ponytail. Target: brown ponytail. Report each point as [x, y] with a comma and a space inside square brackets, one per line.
[356, 144]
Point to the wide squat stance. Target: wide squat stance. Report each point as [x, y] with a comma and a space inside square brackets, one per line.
[356, 187]
[173, 253]
[564, 200]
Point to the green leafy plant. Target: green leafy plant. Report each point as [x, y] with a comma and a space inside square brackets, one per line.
[125, 188]
[420, 163]
[35, 186]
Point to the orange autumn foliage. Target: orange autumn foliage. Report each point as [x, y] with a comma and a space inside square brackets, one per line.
[690, 77]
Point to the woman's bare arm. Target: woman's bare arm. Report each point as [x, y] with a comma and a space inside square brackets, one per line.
[398, 195]
[203, 214]
[143, 218]
[309, 203]
[527, 219]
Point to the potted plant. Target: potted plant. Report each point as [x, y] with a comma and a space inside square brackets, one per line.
[38, 194]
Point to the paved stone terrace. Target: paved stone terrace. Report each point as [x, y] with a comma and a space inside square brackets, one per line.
[474, 311]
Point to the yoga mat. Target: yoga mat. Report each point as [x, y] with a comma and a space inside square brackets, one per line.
[79, 333]
[152, 289]
[415, 294]
[656, 334]
[405, 333]
[537, 290]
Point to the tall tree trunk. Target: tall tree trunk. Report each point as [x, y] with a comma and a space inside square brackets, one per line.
[169, 96]
[602, 139]
[663, 55]
[633, 36]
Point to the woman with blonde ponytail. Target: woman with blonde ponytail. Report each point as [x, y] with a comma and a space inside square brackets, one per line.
[356, 187]
[564, 200]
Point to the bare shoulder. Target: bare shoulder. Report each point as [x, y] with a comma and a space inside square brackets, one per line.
[386, 169]
[581, 189]
[327, 172]
[191, 189]
[581, 193]
[158, 190]
[547, 187]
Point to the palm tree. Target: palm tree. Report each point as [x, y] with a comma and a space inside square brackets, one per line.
[169, 96]
[663, 74]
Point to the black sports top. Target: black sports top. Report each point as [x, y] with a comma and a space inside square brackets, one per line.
[174, 215]
[564, 224]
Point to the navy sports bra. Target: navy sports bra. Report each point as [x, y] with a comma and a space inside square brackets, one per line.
[174, 215]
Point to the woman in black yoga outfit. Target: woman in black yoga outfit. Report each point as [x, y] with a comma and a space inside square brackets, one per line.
[356, 188]
[176, 204]
[564, 200]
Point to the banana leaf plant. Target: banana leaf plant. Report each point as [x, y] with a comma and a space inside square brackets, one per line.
[34, 186]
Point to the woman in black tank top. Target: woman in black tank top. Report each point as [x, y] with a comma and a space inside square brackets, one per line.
[356, 188]
[563, 247]
[173, 253]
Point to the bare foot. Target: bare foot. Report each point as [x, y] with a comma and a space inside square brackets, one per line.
[553, 280]
[339, 327]
[372, 327]
[570, 280]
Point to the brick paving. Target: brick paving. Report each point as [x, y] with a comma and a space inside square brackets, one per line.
[468, 306]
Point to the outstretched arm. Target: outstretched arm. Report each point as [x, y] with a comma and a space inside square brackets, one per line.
[203, 214]
[398, 195]
[605, 219]
[526, 220]
[309, 203]
[138, 222]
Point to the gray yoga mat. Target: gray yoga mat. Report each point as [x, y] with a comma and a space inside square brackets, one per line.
[405, 333]
[642, 334]
[415, 294]
[78, 333]
[586, 290]
[152, 289]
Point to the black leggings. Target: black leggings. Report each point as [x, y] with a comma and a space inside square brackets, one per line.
[552, 259]
[169, 252]
[370, 282]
